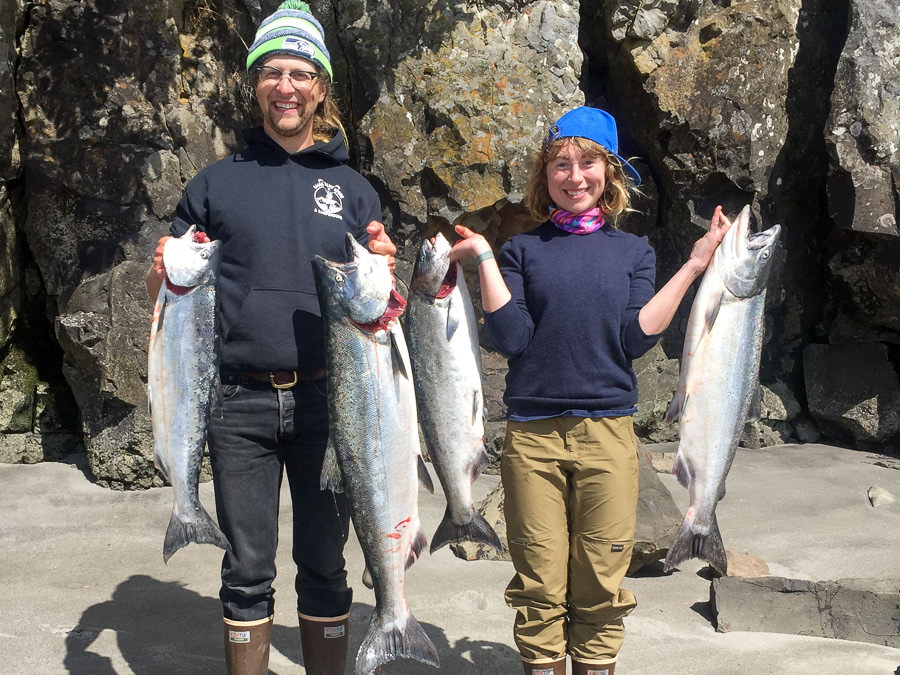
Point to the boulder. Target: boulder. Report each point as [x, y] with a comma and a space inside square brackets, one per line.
[460, 97]
[865, 610]
[878, 496]
[657, 380]
[853, 390]
[658, 517]
[862, 135]
[11, 19]
[744, 564]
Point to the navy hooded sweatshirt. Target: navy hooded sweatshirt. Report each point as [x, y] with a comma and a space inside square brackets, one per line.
[273, 211]
[571, 329]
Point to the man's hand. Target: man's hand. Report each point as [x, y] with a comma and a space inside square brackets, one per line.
[159, 269]
[381, 244]
[157, 272]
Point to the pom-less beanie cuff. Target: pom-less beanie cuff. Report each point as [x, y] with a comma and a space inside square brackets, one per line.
[293, 31]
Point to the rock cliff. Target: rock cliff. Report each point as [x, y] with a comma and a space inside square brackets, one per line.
[791, 106]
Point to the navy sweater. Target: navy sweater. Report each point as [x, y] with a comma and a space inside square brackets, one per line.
[273, 211]
[571, 329]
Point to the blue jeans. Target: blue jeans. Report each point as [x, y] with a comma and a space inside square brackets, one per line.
[259, 435]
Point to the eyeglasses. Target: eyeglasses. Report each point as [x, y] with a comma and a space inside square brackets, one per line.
[300, 79]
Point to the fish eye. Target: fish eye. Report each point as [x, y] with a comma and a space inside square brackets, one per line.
[765, 255]
[338, 278]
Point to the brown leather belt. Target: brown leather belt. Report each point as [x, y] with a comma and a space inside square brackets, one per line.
[280, 379]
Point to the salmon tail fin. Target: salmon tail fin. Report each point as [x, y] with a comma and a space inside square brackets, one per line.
[690, 544]
[200, 529]
[682, 471]
[478, 530]
[382, 645]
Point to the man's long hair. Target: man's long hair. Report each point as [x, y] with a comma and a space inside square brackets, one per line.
[327, 120]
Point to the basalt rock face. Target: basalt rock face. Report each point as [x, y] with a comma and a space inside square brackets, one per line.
[120, 104]
[450, 99]
[789, 106]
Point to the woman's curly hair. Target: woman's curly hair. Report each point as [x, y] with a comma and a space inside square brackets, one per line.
[615, 199]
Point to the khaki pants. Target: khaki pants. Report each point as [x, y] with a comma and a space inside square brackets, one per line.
[571, 487]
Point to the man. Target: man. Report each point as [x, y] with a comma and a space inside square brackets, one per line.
[286, 196]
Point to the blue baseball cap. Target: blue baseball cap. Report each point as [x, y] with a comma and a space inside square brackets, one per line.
[595, 125]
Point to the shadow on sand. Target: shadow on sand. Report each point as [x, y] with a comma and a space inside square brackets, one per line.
[162, 627]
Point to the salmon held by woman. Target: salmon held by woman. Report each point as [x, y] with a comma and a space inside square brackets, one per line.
[718, 382]
[446, 361]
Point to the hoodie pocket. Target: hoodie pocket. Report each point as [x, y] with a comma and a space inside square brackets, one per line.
[276, 328]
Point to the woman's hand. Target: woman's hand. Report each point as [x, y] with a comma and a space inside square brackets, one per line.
[471, 244]
[657, 314]
[380, 243]
[494, 293]
[705, 247]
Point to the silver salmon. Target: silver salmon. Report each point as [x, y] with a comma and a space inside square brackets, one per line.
[181, 380]
[718, 382]
[373, 448]
[446, 361]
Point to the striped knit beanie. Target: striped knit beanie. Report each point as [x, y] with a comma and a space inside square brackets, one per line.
[291, 30]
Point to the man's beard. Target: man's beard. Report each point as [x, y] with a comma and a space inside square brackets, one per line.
[287, 128]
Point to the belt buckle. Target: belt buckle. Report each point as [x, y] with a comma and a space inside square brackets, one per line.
[286, 385]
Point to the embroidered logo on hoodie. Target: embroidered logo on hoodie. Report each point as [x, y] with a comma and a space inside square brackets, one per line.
[329, 199]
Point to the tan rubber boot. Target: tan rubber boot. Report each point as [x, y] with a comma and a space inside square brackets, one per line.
[324, 641]
[247, 646]
[582, 668]
[557, 667]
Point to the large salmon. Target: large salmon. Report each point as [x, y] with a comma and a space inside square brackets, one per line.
[181, 378]
[446, 360]
[373, 448]
[718, 382]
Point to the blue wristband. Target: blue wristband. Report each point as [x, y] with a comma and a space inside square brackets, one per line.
[481, 257]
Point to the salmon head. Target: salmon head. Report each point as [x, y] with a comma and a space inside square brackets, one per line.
[432, 265]
[190, 262]
[358, 289]
[744, 259]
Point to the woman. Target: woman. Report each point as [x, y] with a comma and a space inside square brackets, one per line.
[571, 304]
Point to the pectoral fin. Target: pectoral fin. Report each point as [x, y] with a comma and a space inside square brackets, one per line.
[675, 407]
[399, 352]
[424, 476]
[755, 411]
[331, 477]
[452, 321]
[682, 470]
[712, 312]
[477, 407]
